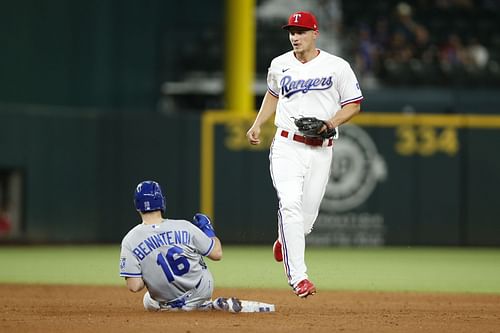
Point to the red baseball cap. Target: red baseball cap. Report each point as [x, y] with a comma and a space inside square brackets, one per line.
[304, 20]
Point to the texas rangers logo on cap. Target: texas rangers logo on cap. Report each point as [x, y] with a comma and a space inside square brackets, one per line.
[304, 20]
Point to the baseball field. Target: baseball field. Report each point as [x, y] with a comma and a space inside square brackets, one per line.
[77, 289]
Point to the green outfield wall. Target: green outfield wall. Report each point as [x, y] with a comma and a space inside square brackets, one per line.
[85, 114]
[80, 168]
[397, 179]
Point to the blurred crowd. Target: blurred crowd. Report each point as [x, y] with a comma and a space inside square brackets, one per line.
[387, 42]
[424, 42]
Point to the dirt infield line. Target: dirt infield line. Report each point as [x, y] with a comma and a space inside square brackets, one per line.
[50, 308]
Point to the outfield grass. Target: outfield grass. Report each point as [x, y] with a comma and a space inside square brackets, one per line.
[378, 269]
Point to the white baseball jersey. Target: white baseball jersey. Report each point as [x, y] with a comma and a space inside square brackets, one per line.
[300, 171]
[318, 88]
[169, 258]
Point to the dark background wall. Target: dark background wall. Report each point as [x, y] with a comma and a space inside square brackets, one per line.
[112, 54]
[82, 117]
[80, 167]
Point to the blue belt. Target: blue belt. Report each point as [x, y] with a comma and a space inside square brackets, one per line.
[181, 301]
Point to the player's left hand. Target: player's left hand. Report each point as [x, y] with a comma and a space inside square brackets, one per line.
[204, 224]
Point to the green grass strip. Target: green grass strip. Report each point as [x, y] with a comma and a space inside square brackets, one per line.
[474, 270]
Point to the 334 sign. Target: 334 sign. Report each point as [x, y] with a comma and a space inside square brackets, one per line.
[426, 140]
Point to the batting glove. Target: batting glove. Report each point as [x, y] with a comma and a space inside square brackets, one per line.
[203, 223]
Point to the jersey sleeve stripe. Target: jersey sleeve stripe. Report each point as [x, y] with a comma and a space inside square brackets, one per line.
[272, 92]
[210, 248]
[130, 274]
[352, 100]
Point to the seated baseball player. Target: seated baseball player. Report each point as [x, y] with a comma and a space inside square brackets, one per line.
[166, 256]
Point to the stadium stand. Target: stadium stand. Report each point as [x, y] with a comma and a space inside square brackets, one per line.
[418, 42]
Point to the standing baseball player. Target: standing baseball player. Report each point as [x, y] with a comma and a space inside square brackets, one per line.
[306, 83]
[166, 257]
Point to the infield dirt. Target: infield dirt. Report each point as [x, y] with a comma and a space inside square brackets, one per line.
[49, 308]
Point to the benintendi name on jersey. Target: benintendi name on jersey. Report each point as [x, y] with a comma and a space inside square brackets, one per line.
[162, 239]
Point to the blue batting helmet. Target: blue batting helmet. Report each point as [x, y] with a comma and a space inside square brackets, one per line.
[148, 197]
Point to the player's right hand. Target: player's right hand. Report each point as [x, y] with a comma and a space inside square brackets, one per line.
[253, 135]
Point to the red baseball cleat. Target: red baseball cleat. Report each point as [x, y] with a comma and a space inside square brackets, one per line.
[278, 254]
[304, 288]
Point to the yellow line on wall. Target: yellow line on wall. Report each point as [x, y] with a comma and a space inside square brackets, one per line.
[207, 155]
[207, 164]
[438, 120]
[214, 117]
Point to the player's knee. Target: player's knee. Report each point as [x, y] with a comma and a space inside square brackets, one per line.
[149, 303]
[290, 207]
[309, 220]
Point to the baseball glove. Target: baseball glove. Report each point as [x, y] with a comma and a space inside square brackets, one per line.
[310, 126]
